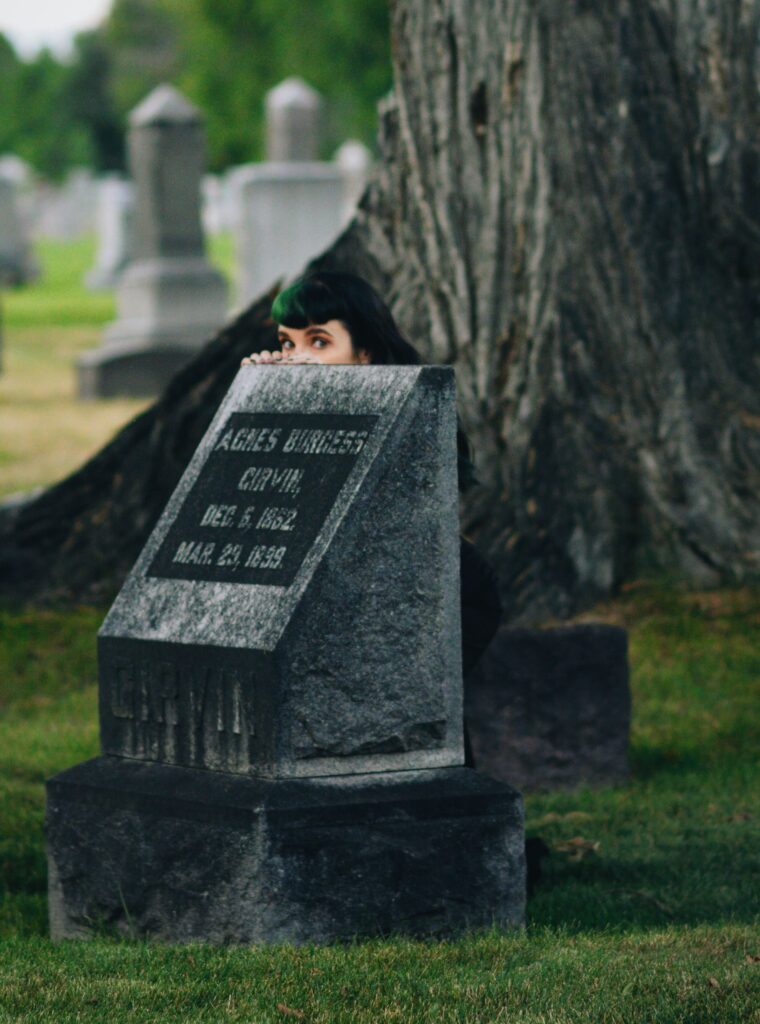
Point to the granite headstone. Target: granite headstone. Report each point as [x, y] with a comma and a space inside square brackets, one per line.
[280, 688]
[170, 299]
[551, 708]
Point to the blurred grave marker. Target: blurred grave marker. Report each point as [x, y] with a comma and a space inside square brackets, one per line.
[169, 299]
[291, 206]
[115, 227]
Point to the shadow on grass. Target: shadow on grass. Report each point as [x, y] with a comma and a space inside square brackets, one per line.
[692, 881]
[728, 747]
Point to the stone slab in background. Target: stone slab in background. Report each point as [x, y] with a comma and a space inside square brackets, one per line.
[287, 214]
[551, 708]
[65, 211]
[115, 230]
[183, 855]
[17, 263]
[169, 297]
[294, 113]
[135, 369]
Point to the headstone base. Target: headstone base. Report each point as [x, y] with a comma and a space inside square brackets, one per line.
[185, 856]
[168, 308]
[139, 370]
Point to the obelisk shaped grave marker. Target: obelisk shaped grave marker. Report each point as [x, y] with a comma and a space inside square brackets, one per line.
[295, 611]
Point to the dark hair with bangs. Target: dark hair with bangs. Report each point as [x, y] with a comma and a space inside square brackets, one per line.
[329, 295]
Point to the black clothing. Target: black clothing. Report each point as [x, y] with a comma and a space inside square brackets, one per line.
[481, 607]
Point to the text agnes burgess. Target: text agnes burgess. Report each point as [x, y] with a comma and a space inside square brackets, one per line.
[266, 480]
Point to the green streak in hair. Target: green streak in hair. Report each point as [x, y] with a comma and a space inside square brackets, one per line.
[288, 304]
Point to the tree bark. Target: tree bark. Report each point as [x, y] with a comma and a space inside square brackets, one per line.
[567, 210]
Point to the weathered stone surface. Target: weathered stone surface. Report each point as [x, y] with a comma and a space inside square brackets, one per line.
[551, 708]
[281, 691]
[327, 640]
[184, 856]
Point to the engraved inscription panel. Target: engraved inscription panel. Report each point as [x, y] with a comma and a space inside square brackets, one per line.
[261, 498]
[195, 706]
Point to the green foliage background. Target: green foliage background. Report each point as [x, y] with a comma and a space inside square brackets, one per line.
[223, 54]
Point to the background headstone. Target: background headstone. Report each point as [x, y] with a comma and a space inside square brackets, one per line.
[213, 205]
[169, 299]
[17, 264]
[354, 161]
[66, 212]
[290, 207]
[280, 687]
[551, 708]
[294, 113]
[115, 229]
[15, 169]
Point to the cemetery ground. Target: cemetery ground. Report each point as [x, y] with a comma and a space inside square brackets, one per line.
[648, 908]
[45, 431]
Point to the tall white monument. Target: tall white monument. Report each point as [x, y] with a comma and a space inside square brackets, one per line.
[290, 208]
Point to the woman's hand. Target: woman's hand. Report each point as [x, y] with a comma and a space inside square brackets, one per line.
[257, 358]
[278, 358]
[304, 357]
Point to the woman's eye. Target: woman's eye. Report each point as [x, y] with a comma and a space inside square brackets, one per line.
[286, 344]
[320, 343]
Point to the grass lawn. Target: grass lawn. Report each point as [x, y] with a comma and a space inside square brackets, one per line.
[654, 918]
[658, 924]
[45, 431]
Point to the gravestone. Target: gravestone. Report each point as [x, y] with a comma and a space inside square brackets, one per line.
[170, 299]
[291, 207]
[66, 212]
[280, 688]
[17, 265]
[16, 170]
[213, 205]
[551, 708]
[115, 229]
[294, 113]
[354, 162]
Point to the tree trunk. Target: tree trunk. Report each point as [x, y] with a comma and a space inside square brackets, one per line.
[567, 210]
